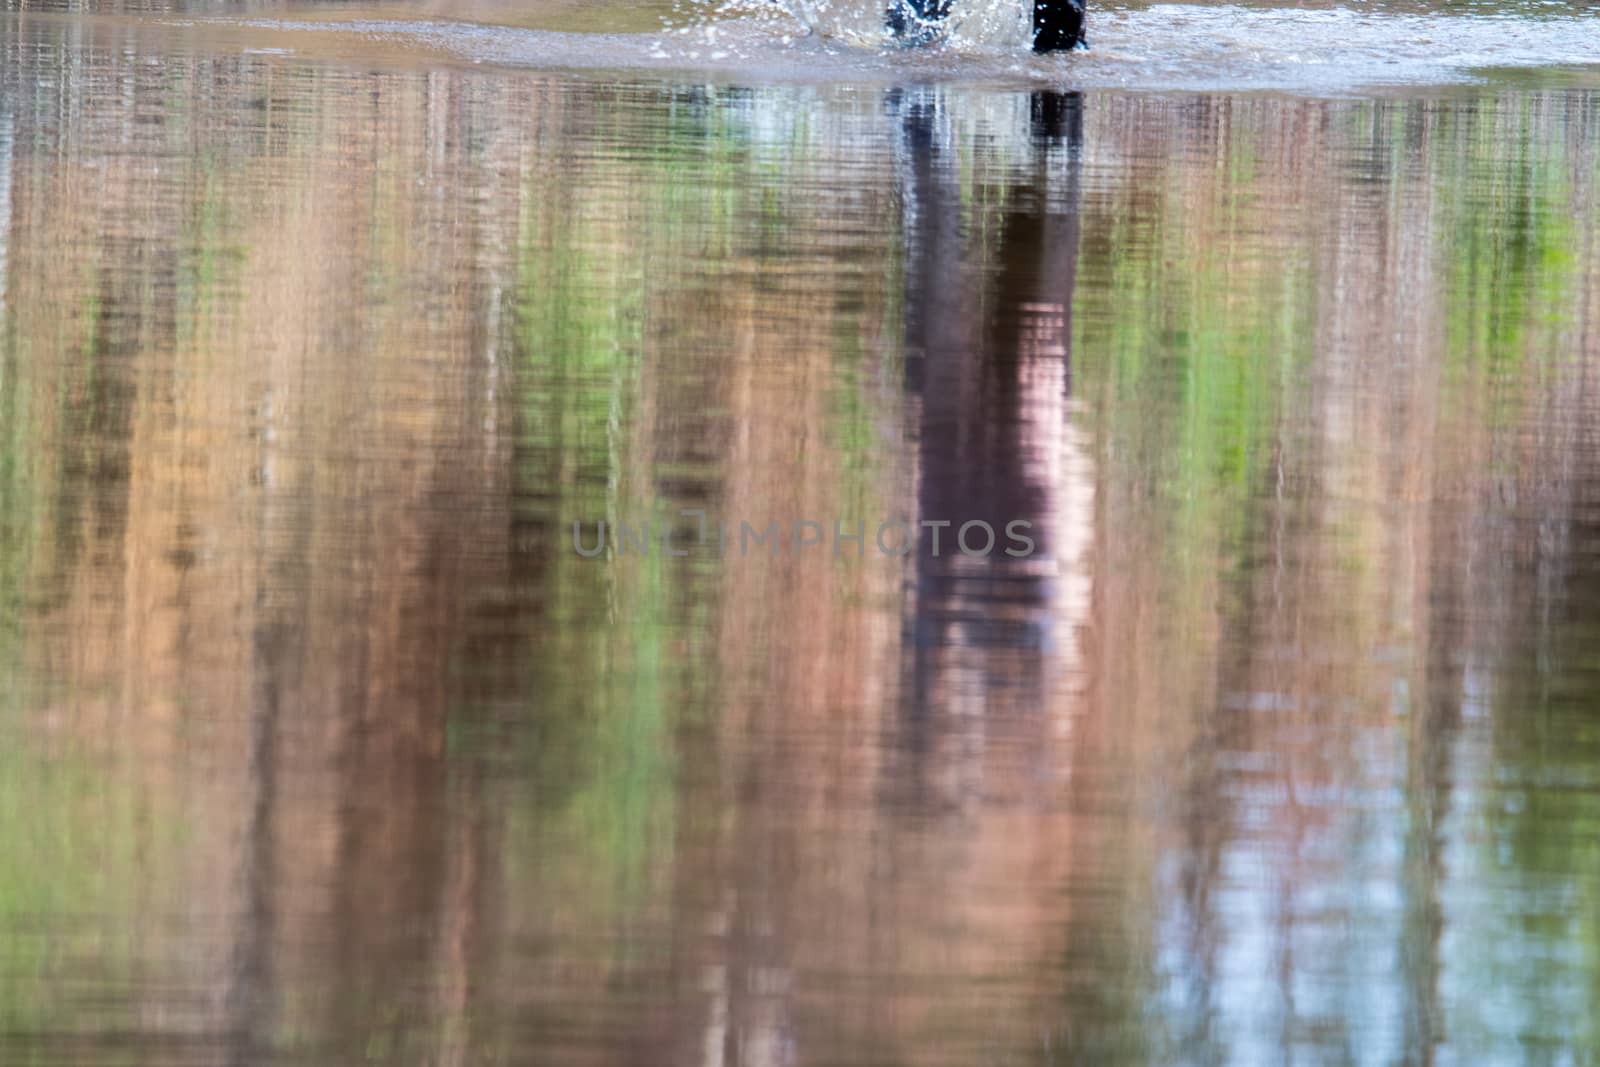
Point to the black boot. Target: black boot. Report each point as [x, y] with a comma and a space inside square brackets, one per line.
[1058, 25]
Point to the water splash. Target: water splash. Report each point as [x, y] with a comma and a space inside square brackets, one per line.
[970, 26]
[1330, 51]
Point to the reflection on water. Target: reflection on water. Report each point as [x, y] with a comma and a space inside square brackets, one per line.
[319, 744]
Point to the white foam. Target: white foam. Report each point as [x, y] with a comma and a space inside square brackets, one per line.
[1167, 46]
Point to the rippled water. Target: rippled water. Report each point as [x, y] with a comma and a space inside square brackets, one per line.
[320, 744]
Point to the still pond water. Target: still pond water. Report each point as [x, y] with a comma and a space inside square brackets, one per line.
[319, 743]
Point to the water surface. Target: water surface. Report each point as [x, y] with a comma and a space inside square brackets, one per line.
[319, 743]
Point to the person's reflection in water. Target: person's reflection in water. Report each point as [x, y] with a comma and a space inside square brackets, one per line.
[992, 674]
[903, 902]
[988, 363]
